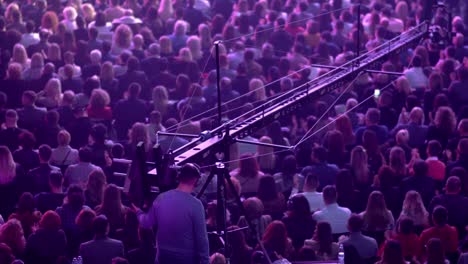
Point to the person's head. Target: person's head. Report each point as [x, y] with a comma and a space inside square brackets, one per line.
[267, 189]
[53, 90]
[439, 216]
[75, 196]
[393, 253]
[453, 185]
[275, 237]
[123, 36]
[289, 165]
[107, 71]
[435, 251]
[355, 223]
[416, 116]
[386, 177]
[189, 175]
[134, 90]
[298, 207]
[84, 220]
[413, 204]
[11, 233]
[420, 168]
[101, 226]
[372, 116]
[96, 185]
[26, 203]
[405, 226]
[398, 160]
[85, 154]
[319, 154]
[359, 164]
[50, 221]
[434, 148]
[329, 194]
[253, 208]
[139, 133]
[166, 44]
[14, 71]
[402, 137]
[248, 166]
[180, 28]
[54, 52]
[56, 181]
[98, 134]
[27, 140]
[311, 183]
[462, 148]
[99, 99]
[445, 119]
[11, 118]
[45, 152]
[37, 61]
[463, 127]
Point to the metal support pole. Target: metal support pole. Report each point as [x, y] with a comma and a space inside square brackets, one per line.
[218, 81]
[221, 206]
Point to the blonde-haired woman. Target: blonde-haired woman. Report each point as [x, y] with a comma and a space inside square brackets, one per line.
[89, 13]
[20, 56]
[265, 157]
[14, 19]
[54, 55]
[257, 91]
[63, 155]
[69, 18]
[414, 209]
[138, 133]
[51, 96]
[11, 233]
[377, 217]
[185, 63]
[165, 10]
[360, 168]
[194, 45]
[98, 108]
[37, 66]
[122, 40]
[204, 33]
[160, 100]
[109, 82]
[8, 182]
[95, 188]
[179, 36]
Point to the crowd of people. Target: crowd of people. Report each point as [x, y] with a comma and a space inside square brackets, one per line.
[381, 177]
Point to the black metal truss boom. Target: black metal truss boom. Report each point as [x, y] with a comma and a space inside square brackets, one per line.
[296, 98]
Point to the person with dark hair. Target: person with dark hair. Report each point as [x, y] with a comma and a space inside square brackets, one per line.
[326, 172]
[101, 249]
[30, 117]
[50, 200]
[393, 253]
[455, 203]
[124, 119]
[415, 75]
[48, 131]
[181, 235]
[100, 151]
[408, 239]
[40, 175]
[78, 173]
[420, 182]
[365, 246]
[281, 40]
[334, 214]
[372, 120]
[71, 208]
[26, 156]
[462, 157]
[273, 200]
[298, 220]
[133, 75]
[9, 134]
[441, 230]
[322, 243]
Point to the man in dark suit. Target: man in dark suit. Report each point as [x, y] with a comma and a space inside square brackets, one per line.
[455, 203]
[420, 182]
[129, 111]
[39, 176]
[101, 249]
[281, 40]
[134, 75]
[30, 116]
[9, 132]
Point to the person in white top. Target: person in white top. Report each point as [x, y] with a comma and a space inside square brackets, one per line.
[78, 173]
[29, 38]
[332, 213]
[314, 198]
[415, 75]
[63, 154]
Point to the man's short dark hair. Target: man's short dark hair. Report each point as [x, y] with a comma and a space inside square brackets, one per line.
[188, 173]
[134, 90]
[417, 61]
[98, 133]
[420, 168]
[30, 26]
[133, 64]
[320, 153]
[434, 148]
[355, 223]
[439, 216]
[373, 115]
[30, 95]
[100, 225]
[56, 179]
[85, 154]
[329, 194]
[312, 180]
[453, 184]
[45, 151]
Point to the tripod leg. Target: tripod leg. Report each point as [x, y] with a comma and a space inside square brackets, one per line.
[205, 185]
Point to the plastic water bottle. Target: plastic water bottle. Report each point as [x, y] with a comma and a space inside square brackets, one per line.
[341, 255]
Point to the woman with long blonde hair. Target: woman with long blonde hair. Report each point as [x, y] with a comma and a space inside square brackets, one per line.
[20, 56]
[37, 65]
[7, 166]
[160, 99]
[265, 157]
[51, 96]
[204, 33]
[257, 90]
[89, 13]
[194, 45]
[122, 40]
[165, 10]
[414, 209]
[138, 133]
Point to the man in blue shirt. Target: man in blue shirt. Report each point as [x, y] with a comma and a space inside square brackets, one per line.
[180, 220]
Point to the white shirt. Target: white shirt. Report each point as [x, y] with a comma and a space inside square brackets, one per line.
[416, 77]
[335, 215]
[64, 155]
[28, 39]
[315, 200]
